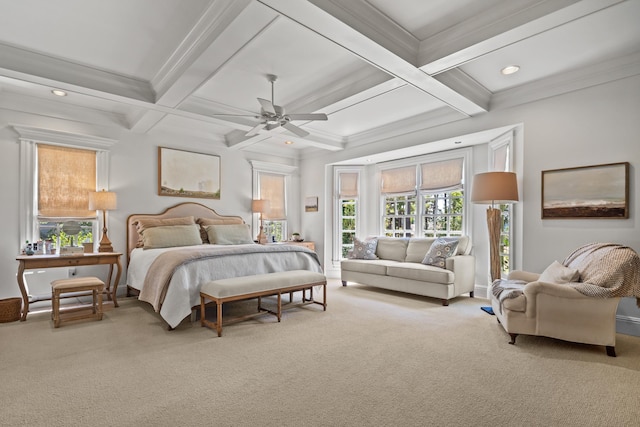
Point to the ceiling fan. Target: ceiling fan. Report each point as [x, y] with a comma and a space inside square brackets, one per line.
[273, 116]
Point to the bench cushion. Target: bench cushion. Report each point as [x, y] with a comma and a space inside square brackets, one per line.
[260, 282]
[74, 283]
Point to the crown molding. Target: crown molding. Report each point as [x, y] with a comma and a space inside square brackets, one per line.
[35, 134]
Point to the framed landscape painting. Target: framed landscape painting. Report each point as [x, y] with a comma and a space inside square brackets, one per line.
[600, 191]
[188, 174]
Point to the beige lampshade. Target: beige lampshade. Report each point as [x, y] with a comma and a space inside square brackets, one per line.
[103, 201]
[494, 188]
[259, 206]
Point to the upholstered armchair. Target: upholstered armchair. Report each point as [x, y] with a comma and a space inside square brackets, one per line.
[573, 301]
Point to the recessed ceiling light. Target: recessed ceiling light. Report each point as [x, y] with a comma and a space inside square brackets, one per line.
[288, 142]
[510, 69]
[59, 92]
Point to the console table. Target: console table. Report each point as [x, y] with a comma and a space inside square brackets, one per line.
[29, 262]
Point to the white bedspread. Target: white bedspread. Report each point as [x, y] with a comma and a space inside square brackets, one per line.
[183, 292]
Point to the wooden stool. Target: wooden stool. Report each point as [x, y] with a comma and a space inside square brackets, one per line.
[76, 284]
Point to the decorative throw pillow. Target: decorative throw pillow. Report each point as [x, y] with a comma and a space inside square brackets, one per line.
[559, 274]
[168, 236]
[229, 234]
[364, 249]
[441, 249]
[203, 222]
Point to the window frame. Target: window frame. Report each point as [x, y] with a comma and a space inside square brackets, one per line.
[465, 153]
[278, 169]
[28, 138]
[338, 245]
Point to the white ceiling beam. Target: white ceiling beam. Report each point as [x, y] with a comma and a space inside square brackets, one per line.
[479, 36]
[333, 29]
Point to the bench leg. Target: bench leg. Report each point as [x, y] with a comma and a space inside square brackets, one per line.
[219, 318]
[279, 313]
[99, 310]
[202, 310]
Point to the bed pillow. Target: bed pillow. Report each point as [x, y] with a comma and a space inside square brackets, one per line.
[441, 249]
[364, 249]
[229, 234]
[168, 236]
[203, 222]
[559, 274]
[146, 223]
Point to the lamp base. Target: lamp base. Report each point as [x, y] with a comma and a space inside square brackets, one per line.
[494, 223]
[105, 244]
[261, 238]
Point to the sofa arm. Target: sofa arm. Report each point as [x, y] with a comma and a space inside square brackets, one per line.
[464, 270]
[552, 289]
[523, 275]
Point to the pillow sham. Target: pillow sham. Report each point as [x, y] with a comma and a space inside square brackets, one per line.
[168, 236]
[559, 274]
[202, 222]
[363, 249]
[229, 234]
[146, 223]
[441, 249]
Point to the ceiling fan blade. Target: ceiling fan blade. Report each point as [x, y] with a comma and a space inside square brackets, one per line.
[267, 106]
[254, 130]
[295, 129]
[307, 116]
[272, 126]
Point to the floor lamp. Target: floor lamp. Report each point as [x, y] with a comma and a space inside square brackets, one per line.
[260, 206]
[494, 188]
[103, 201]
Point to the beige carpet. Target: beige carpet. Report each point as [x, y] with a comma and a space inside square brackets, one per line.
[373, 358]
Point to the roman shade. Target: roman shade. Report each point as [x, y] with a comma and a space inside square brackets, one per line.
[66, 176]
[348, 185]
[272, 188]
[440, 176]
[399, 180]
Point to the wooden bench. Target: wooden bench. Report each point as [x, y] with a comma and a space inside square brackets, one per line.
[76, 284]
[258, 286]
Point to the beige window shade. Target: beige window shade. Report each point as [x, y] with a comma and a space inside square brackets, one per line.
[500, 156]
[66, 176]
[348, 185]
[400, 180]
[272, 189]
[442, 176]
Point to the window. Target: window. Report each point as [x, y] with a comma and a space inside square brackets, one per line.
[272, 182]
[347, 217]
[65, 178]
[399, 201]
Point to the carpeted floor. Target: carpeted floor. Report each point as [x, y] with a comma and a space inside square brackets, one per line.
[374, 358]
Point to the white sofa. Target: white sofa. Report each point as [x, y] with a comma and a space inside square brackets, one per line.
[399, 267]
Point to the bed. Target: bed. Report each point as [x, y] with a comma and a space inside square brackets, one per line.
[171, 254]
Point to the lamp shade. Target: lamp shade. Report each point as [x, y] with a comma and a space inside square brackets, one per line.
[494, 187]
[103, 201]
[259, 206]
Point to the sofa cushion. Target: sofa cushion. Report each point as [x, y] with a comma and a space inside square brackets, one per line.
[366, 266]
[440, 250]
[418, 248]
[518, 303]
[464, 245]
[421, 272]
[364, 249]
[392, 248]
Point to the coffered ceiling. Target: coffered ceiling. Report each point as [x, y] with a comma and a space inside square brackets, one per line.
[377, 68]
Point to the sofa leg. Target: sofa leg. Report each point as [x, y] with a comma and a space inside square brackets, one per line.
[611, 351]
[344, 283]
[471, 294]
[445, 302]
[513, 339]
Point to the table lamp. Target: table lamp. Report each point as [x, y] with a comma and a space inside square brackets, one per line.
[103, 201]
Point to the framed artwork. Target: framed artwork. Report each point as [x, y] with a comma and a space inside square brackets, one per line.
[599, 191]
[188, 174]
[311, 204]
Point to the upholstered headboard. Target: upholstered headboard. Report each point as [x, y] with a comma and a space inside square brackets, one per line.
[180, 210]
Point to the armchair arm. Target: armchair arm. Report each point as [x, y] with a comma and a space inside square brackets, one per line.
[552, 289]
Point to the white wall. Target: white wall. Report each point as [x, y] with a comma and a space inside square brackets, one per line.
[592, 126]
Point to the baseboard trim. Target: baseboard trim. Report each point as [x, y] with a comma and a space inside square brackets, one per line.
[628, 325]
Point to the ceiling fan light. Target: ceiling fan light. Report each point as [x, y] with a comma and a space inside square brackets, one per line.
[510, 69]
